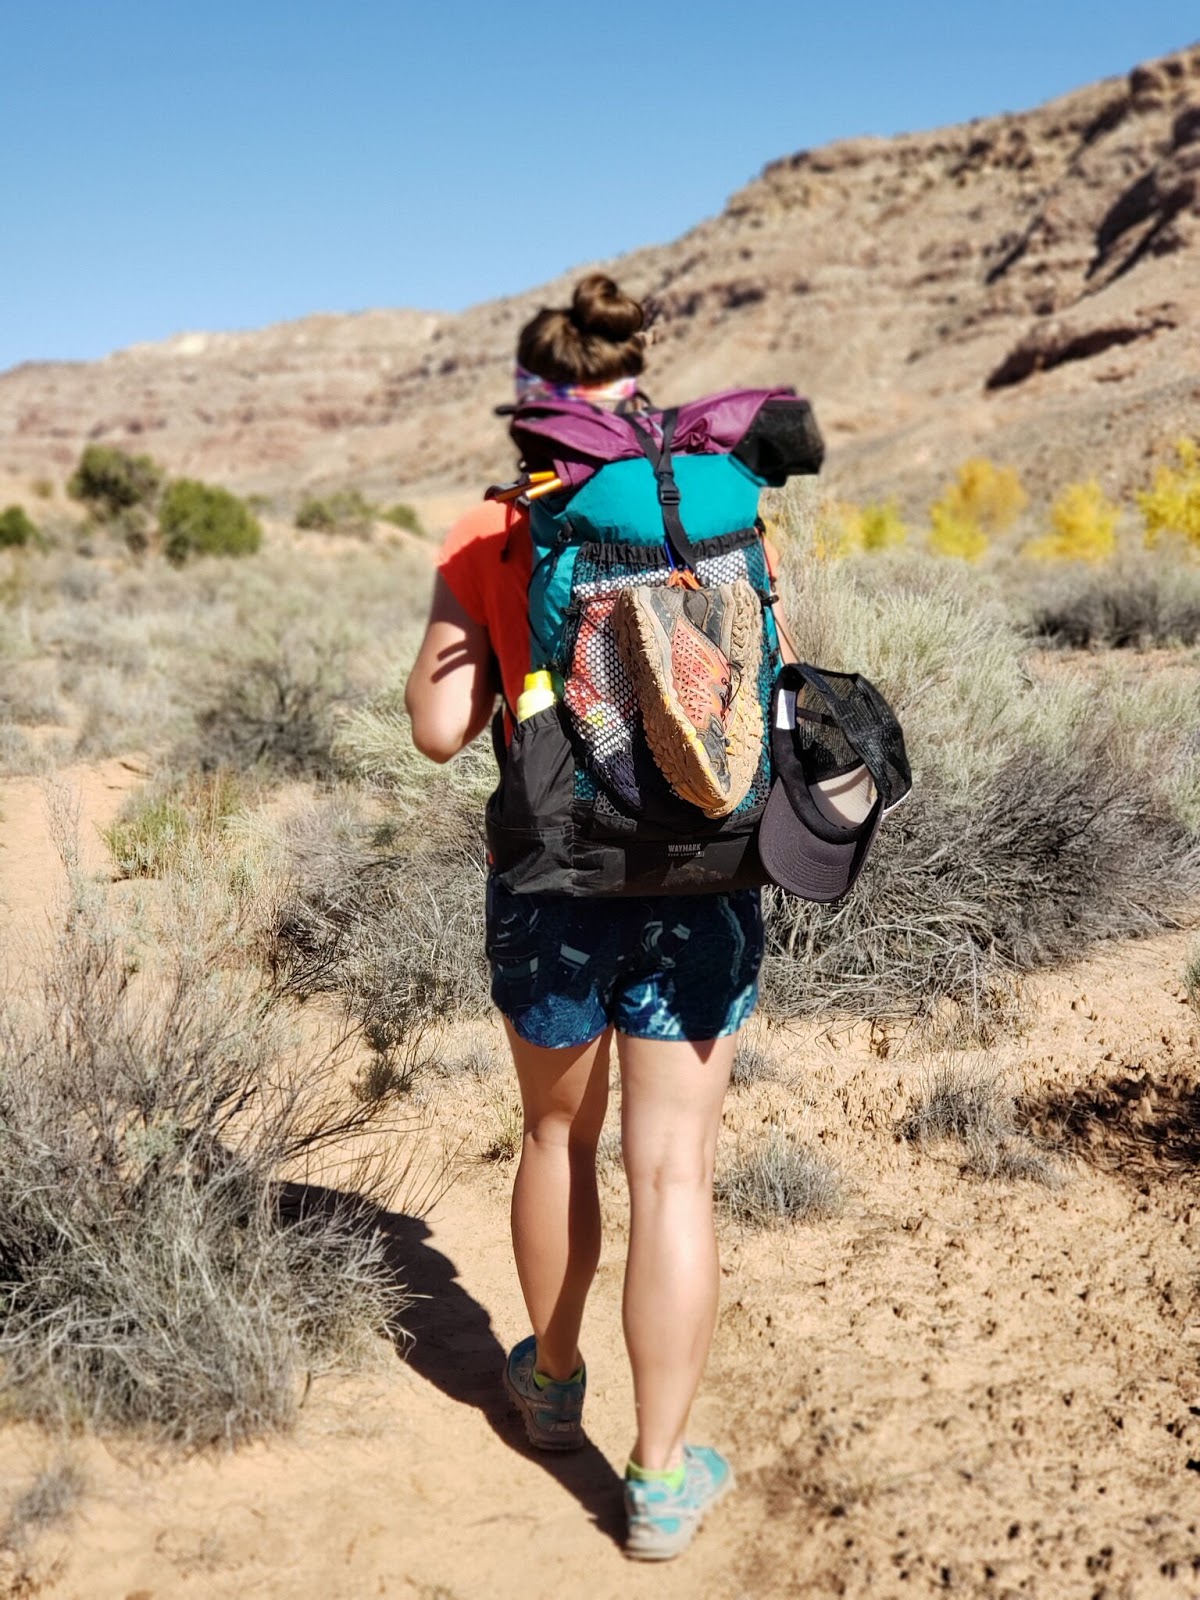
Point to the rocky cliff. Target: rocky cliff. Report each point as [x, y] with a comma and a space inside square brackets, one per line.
[1024, 286]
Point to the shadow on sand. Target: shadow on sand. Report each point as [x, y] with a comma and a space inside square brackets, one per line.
[1133, 1122]
[452, 1345]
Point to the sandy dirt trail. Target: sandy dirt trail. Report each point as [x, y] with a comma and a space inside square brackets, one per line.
[958, 1386]
[32, 880]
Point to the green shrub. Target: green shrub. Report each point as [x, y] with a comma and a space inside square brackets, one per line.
[345, 511]
[202, 519]
[17, 528]
[108, 480]
[404, 516]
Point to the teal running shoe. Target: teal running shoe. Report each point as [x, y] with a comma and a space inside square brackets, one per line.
[663, 1521]
[553, 1415]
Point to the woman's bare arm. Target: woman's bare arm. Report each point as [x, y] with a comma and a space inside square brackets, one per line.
[451, 689]
[786, 650]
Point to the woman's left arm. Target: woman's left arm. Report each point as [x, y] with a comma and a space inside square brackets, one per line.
[451, 690]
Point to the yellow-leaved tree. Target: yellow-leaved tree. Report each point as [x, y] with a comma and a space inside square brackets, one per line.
[952, 534]
[1084, 521]
[983, 500]
[850, 528]
[882, 527]
[1172, 503]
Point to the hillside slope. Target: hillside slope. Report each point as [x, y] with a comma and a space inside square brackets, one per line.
[1027, 286]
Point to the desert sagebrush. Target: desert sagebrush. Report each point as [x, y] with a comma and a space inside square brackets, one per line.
[1136, 602]
[388, 916]
[156, 1268]
[1044, 815]
[777, 1180]
[968, 1104]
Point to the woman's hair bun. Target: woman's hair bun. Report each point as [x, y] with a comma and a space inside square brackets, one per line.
[600, 310]
[597, 339]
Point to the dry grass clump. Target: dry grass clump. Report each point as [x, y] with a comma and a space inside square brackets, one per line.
[374, 746]
[386, 905]
[156, 1270]
[751, 1065]
[969, 1105]
[504, 1130]
[19, 754]
[48, 1502]
[159, 825]
[1191, 980]
[29, 694]
[1044, 816]
[609, 1158]
[50, 1499]
[479, 1062]
[777, 1180]
[960, 1102]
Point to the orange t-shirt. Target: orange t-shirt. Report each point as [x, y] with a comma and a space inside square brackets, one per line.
[487, 562]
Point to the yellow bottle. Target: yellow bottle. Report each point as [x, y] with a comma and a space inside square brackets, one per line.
[537, 695]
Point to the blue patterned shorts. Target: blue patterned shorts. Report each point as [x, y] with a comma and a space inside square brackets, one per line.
[659, 967]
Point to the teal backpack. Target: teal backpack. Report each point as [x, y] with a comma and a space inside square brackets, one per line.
[645, 530]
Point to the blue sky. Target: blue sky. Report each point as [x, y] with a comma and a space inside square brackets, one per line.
[170, 165]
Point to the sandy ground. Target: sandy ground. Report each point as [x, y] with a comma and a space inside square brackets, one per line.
[84, 800]
[958, 1386]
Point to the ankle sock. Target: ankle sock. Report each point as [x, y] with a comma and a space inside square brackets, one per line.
[673, 1477]
[543, 1381]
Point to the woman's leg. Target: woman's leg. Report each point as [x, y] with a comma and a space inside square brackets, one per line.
[671, 1096]
[555, 1206]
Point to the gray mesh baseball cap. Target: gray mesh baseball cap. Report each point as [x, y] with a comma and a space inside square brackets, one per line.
[840, 766]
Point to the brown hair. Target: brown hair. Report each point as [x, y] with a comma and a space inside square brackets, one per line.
[596, 340]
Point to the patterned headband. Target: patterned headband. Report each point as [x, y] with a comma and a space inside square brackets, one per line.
[531, 387]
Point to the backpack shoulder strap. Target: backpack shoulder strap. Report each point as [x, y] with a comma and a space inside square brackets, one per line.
[659, 457]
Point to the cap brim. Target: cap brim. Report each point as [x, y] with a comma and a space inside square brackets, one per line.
[800, 861]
